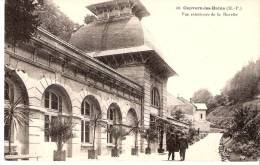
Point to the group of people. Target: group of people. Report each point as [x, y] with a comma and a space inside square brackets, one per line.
[177, 143]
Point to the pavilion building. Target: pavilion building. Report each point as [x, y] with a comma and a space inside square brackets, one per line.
[109, 66]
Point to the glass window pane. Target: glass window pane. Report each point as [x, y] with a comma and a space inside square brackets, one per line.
[86, 132]
[111, 114]
[46, 100]
[87, 109]
[46, 128]
[54, 119]
[110, 135]
[82, 131]
[54, 101]
[82, 109]
[60, 104]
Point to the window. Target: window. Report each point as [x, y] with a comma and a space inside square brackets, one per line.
[85, 132]
[201, 116]
[6, 91]
[85, 108]
[6, 133]
[47, 126]
[110, 114]
[109, 134]
[52, 101]
[155, 97]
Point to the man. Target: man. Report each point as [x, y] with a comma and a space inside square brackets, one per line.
[183, 142]
[169, 144]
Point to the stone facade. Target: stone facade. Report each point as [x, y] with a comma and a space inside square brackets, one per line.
[40, 73]
[54, 77]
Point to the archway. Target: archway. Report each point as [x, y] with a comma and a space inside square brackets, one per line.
[131, 140]
[90, 128]
[114, 118]
[56, 101]
[16, 101]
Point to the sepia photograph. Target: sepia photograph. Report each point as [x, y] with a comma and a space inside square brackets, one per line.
[132, 80]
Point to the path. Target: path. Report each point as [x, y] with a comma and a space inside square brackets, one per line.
[205, 149]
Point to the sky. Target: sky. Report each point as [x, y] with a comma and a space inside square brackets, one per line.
[205, 51]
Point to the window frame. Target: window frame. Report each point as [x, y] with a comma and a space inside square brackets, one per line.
[48, 101]
[85, 124]
[84, 110]
[50, 118]
[155, 97]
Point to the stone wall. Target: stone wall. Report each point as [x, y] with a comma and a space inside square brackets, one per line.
[38, 74]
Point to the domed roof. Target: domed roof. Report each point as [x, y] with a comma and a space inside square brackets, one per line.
[109, 35]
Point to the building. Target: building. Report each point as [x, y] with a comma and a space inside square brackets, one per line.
[194, 113]
[109, 66]
[180, 103]
[199, 118]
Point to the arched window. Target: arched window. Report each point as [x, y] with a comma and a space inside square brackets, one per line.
[155, 97]
[86, 110]
[89, 108]
[56, 101]
[114, 117]
[111, 121]
[6, 91]
[52, 101]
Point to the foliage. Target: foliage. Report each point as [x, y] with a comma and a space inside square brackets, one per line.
[248, 149]
[15, 115]
[244, 123]
[61, 131]
[217, 100]
[21, 22]
[150, 135]
[95, 122]
[191, 134]
[89, 19]
[118, 132]
[245, 84]
[54, 21]
[178, 115]
[201, 96]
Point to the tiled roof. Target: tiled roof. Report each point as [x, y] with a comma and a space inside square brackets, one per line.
[200, 106]
[101, 36]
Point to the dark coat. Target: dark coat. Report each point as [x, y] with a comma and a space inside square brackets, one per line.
[172, 144]
[183, 143]
[169, 143]
[176, 145]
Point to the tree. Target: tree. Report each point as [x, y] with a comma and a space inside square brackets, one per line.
[150, 135]
[89, 19]
[21, 21]
[244, 124]
[136, 129]
[15, 115]
[201, 96]
[178, 115]
[95, 122]
[118, 132]
[61, 131]
[54, 21]
[244, 85]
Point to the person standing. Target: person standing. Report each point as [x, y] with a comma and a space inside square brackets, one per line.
[169, 144]
[176, 144]
[183, 146]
